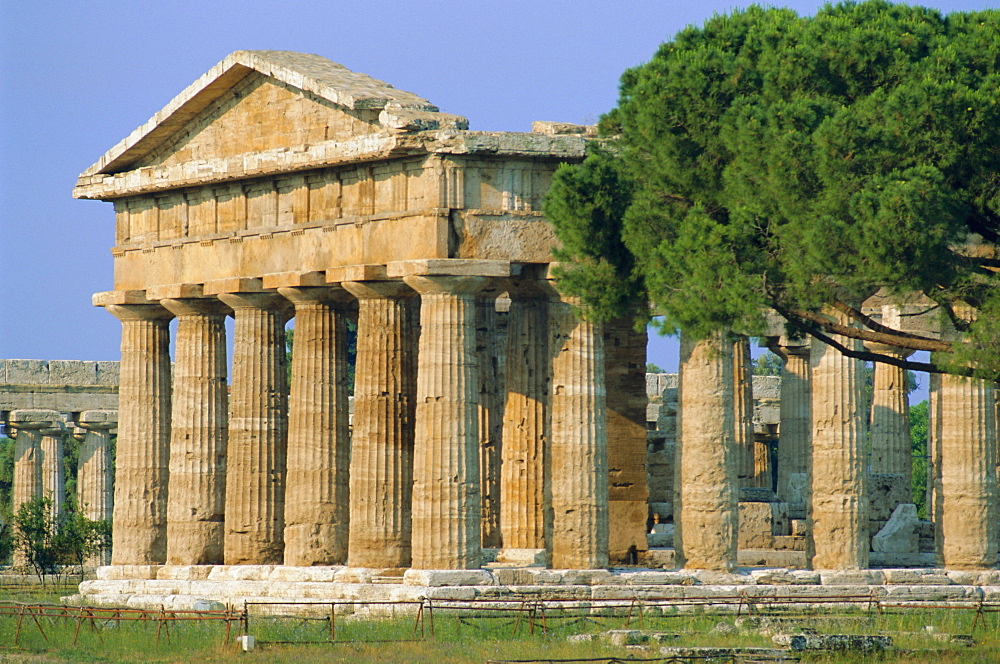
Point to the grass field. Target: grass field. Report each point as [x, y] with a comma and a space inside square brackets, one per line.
[469, 639]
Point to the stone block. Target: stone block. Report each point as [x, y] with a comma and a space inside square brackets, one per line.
[771, 558]
[665, 510]
[524, 557]
[183, 572]
[27, 372]
[858, 577]
[625, 637]
[707, 577]
[760, 522]
[757, 494]
[289, 574]
[767, 387]
[124, 572]
[586, 577]
[916, 577]
[108, 373]
[899, 534]
[789, 542]
[785, 577]
[354, 575]
[798, 527]
[71, 372]
[839, 642]
[663, 558]
[656, 578]
[447, 577]
[880, 559]
[885, 492]
[662, 540]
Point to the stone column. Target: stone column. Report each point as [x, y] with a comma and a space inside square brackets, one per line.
[53, 463]
[317, 503]
[94, 482]
[446, 501]
[143, 450]
[838, 515]
[795, 429]
[490, 388]
[966, 509]
[258, 426]
[743, 436]
[625, 386]
[198, 434]
[706, 514]
[28, 425]
[524, 483]
[578, 445]
[890, 419]
[381, 475]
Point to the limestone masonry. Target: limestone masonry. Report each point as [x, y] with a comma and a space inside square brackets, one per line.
[491, 425]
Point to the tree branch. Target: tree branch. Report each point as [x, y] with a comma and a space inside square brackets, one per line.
[874, 325]
[893, 339]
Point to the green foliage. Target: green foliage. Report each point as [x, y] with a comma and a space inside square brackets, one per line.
[6, 472]
[767, 364]
[766, 160]
[47, 541]
[919, 428]
[652, 367]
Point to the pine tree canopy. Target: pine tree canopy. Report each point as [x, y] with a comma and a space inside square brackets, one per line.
[766, 161]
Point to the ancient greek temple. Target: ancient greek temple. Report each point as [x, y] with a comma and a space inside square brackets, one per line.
[487, 415]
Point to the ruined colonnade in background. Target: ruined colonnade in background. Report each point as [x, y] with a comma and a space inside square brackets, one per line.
[281, 184]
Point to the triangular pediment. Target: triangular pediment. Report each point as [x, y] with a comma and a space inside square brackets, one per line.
[256, 101]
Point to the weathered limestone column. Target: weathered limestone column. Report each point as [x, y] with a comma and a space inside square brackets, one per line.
[94, 480]
[317, 504]
[890, 419]
[838, 514]
[381, 475]
[966, 507]
[625, 386]
[795, 433]
[446, 501]
[53, 472]
[743, 438]
[578, 447]
[28, 425]
[143, 450]
[490, 387]
[196, 512]
[706, 486]
[258, 427]
[524, 483]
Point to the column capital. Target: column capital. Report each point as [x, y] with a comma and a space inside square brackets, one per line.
[266, 301]
[446, 284]
[886, 349]
[306, 295]
[32, 419]
[189, 306]
[98, 419]
[377, 290]
[139, 312]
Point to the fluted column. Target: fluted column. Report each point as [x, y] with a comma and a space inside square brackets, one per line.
[838, 514]
[198, 434]
[706, 468]
[890, 418]
[966, 509]
[524, 480]
[743, 437]
[28, 426]
[316, 488]
[381, 475]
[795, 429]
[258, 427]
[490, 388]
[143, 450]
[578, 445]
[53, 466]
[94, 480]
[446, 496]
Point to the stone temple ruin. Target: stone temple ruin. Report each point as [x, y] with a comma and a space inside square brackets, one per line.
[492, 426]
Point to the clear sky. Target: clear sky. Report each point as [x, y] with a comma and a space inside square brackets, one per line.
[78, 76]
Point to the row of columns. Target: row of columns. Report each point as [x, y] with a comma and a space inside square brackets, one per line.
[823, 458]
[39, 460]
[256, 480]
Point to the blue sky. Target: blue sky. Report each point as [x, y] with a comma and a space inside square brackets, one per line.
[77, 77]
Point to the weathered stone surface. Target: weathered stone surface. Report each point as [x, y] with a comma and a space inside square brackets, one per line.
[199, 434]
[95, 474]
[143, 448]
[966, 510]
[705, 507]
[578, 444]
[628, 496]
[743, 438]
[890, 421]
[382, 443]
[523, 477]
[760, 522]
[838, 515]
[899, 535]
[446, 499]
[258, 429]
[794, 443]
[318, 458]
[492, 395]
[458, 577]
